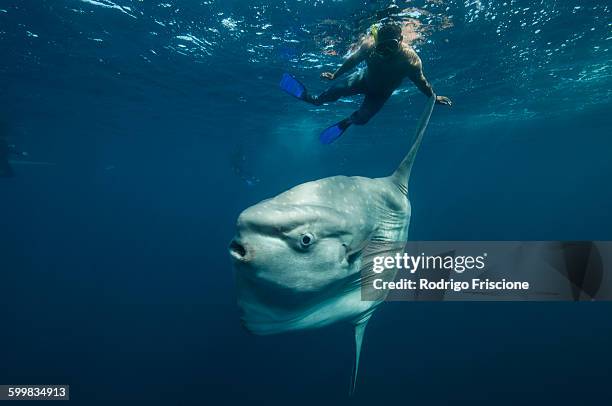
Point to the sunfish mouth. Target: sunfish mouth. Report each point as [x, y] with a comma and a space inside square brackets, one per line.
[237, 251]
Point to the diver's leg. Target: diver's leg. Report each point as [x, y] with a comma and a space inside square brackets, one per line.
[349, 86]
[370, 106]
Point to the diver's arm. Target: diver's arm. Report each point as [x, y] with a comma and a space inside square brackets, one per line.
[422, 84]
[349, 63]
[415, 73]
[418, 78]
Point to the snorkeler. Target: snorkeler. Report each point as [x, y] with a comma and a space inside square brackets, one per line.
[388, 61]
[6, 150]
[6, 171]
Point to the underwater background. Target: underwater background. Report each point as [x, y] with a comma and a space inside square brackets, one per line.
[164, 120]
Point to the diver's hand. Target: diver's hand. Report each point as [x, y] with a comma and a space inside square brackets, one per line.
[328, 76]
[444, 100]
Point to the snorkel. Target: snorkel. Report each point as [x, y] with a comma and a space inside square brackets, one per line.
[374, 32]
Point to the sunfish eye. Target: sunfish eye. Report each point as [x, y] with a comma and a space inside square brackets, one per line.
[306, 240]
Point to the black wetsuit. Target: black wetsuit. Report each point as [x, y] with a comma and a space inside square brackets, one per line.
[377, 82]
[351, 85]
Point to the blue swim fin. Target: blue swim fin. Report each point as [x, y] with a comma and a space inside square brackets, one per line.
[331, 134]
[293, 86]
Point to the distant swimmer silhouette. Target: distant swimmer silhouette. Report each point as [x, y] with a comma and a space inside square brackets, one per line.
[6, 164]
[6, 150]
[388, 61]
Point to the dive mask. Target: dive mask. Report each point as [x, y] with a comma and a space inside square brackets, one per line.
[387, 47]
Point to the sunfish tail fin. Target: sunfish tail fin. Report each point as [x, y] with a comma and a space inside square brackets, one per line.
[359, 330]
[402, 173]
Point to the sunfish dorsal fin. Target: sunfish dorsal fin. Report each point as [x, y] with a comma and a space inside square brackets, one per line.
[359, 330]
[402, 174]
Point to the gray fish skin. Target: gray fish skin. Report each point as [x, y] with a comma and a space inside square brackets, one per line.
[342, 214]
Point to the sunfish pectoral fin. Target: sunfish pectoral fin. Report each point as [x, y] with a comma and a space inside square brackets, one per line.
[354, 250]
[359, 330]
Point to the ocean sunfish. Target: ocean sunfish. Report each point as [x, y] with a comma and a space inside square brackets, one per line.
[298, 256]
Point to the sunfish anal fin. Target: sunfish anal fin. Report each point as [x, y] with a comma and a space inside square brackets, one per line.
[359, 330]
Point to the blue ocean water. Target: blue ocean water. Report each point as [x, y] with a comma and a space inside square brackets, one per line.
[164, 121]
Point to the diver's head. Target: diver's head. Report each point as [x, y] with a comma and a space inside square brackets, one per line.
[388, 39]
